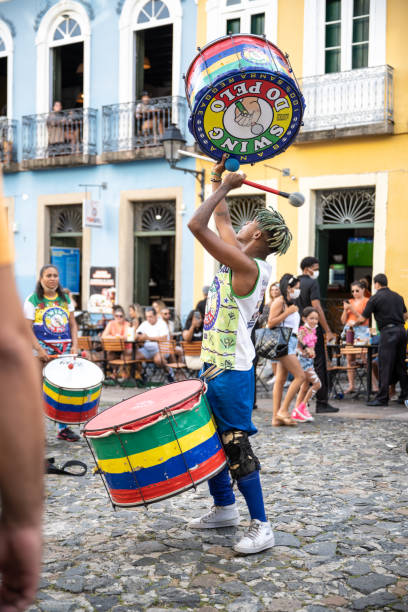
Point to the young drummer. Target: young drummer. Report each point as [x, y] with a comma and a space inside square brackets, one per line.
[232, 309]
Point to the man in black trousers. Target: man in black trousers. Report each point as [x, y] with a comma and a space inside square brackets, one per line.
[390, 313]
[310, 296]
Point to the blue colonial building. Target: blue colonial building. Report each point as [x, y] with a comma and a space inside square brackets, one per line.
[86, 92]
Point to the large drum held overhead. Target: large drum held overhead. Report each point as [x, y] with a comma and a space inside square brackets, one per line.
[72, 389]
[156, 444]
[244, 99]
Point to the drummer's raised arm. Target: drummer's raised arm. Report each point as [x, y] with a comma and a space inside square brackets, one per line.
[221, 213]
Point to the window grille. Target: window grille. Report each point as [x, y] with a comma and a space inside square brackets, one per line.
[154, 9]
[66, 219]
[66, 29]
[155, 217]
[346, 206]
[242, 209]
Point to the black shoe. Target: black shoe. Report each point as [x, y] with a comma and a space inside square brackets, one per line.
[375, 402]
[68, 435]
[401, 400]
[324, 407]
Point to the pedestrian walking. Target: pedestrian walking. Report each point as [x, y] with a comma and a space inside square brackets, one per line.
[234, 298]
[310, 296]
[284, 312]
[390, 313]
[307, 338]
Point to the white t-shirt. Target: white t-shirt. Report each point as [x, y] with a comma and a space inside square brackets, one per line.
[158, 330]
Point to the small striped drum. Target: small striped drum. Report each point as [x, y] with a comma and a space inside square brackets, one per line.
[156, 444]
[72, 388]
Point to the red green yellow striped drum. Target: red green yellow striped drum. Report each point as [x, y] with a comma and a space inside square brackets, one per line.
[72, 388]
[244, 99]
[156, 444]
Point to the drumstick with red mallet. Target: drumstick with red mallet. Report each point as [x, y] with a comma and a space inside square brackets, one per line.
[232, 165]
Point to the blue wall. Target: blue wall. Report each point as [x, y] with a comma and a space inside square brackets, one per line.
[142, 174]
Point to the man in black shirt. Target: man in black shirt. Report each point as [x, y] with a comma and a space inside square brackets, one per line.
[389, 310]
[310, 296]
[200, 306]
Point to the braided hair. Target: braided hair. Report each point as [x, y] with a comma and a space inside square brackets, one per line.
[278, 235]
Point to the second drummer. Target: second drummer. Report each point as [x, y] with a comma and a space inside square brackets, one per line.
[52, 325]
[232, 309]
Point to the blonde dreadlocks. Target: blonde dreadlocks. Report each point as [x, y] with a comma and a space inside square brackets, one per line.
[278, 235]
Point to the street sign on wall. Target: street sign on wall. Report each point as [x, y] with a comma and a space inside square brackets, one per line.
[92, 213]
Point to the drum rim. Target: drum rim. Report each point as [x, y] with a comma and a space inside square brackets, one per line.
[99, 384]
[113, 428]
[202, 49]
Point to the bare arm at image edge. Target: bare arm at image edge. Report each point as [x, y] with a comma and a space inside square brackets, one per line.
[21, 448]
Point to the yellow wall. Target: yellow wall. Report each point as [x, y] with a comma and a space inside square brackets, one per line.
[388, 153]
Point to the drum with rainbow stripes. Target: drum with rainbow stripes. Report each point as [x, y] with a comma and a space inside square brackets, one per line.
[72, 389]
[244, 99]
[156, 444]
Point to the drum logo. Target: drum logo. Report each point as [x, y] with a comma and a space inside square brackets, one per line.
[251, 118]
[55, 320]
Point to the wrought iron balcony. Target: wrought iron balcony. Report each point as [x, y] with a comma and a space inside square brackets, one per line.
[133, 130]
[351, 103]
[59, 138]
[8, 143]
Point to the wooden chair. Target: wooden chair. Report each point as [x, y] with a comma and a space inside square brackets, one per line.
[193, 350]
[172, 357]
[359, 367]
[117, 345]
[85, 344]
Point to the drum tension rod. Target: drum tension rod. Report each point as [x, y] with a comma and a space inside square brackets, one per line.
[100, 473]
[115, 429]
[181, 452]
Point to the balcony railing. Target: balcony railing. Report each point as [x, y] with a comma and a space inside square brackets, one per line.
[59, 138]
[134, 129]
[8, 141]
[352, 102]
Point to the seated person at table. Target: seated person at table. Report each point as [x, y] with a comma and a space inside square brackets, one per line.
[352, 309]
[118, 327]
[166, 316]
[193, 332]
[135, 315]
[150, 332]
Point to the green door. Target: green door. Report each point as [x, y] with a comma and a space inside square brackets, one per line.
[141, 270]
[322, 254]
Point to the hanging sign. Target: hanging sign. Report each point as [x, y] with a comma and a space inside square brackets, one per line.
[92, 213]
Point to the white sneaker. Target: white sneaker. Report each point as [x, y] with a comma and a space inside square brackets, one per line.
[259, 537]
[218, 516]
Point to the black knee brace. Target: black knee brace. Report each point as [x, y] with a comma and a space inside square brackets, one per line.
[241, 458]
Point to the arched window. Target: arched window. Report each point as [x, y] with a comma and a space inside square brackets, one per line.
[63, 57]
[144, 64]
[6, 70]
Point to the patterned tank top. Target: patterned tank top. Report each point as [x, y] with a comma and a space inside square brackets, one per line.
[229, 320]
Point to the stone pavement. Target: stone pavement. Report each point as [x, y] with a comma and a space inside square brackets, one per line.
[336, 494]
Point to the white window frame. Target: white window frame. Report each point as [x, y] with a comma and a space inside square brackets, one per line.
[128, 26]
[44, 42]
[314, 35]
[218, 13]
[9, 54]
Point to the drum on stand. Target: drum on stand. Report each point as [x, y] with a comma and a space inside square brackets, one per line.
[72, 389]
[244, 99]
[156, 444]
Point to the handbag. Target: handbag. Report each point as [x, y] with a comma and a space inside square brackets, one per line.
[272, 343]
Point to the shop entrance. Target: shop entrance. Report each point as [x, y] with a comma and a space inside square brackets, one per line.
[344, 244]
[154, 252]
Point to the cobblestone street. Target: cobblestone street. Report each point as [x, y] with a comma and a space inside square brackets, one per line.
[336, 494]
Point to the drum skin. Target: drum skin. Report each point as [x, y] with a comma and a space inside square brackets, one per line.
[161, 453]
[244, 99]
[72, 390]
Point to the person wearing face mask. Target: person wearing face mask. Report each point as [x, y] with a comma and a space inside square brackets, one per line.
[310, 296]
[284, 312]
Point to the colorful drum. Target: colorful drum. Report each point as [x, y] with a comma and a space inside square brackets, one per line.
[72, 388]
[244, 99]
[156, 444]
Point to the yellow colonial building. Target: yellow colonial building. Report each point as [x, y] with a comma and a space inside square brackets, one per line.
[350, 158]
